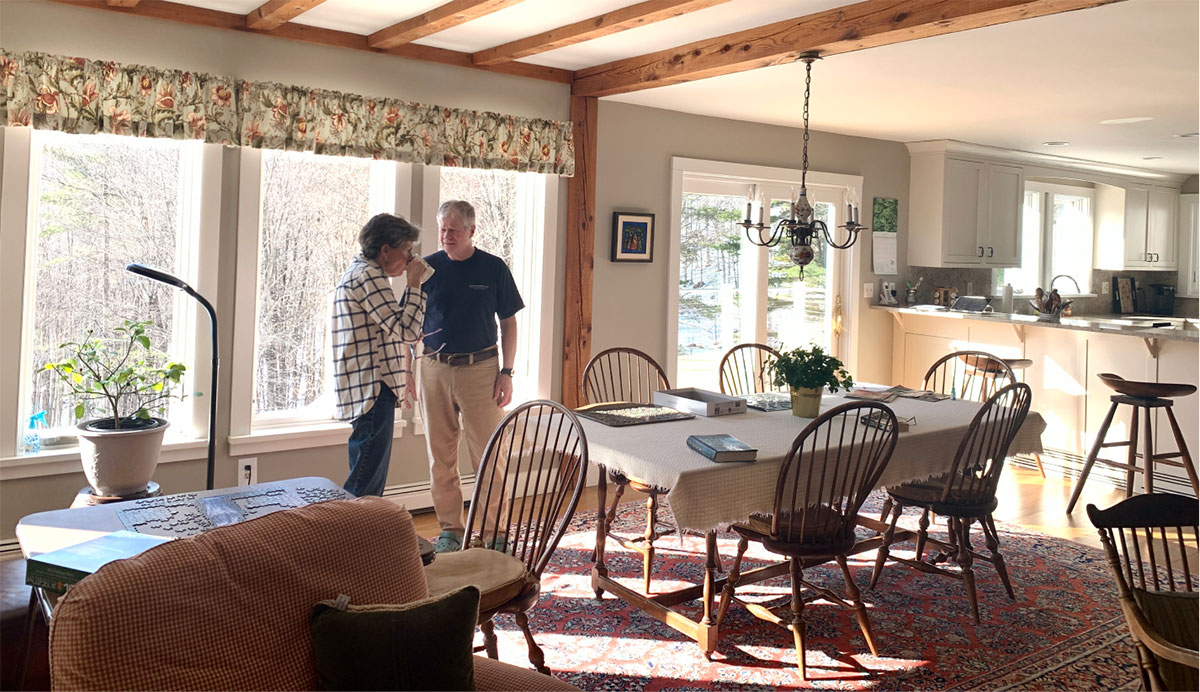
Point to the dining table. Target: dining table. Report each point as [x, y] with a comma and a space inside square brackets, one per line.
[706, 496]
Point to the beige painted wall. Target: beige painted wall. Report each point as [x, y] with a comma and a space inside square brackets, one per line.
[633, 170]
[58, 29]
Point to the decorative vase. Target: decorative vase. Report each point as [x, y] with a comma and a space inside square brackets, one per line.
[806, 401]
[120, 462]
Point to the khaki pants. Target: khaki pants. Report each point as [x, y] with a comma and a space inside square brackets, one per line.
[446, 392]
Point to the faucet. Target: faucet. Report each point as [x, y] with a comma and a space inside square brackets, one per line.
[1077, 289]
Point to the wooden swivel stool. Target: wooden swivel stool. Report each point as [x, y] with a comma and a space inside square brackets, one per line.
[1144, 397]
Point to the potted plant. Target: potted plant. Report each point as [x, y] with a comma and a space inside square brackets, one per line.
[806, 372]
[126, 380]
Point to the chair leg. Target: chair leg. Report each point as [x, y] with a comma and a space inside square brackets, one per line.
[1183, 451]
[888, 536]
[612, 509]
[1091, 458]
[964, 559]
[1131, 454]
[797, 625]
[1037, 459]
[648, 554]
[489, 639]
[922, 533]
[887, 508]
[536, 657]
[731, 581]
[993, 545]
[860, 610]
[1148, 453]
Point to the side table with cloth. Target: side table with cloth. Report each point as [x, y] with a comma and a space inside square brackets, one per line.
[707, 496]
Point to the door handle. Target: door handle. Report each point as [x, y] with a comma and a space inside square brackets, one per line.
[1156, 258]
[991, 252]
[981, 251]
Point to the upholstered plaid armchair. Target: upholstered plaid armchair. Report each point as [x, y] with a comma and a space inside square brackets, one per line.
[230, 608]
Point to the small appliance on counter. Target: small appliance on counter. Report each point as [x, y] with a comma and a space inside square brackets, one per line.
[971, 304]
[1160, 299]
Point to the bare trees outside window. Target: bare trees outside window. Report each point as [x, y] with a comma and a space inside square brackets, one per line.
[312, 210]
[99, 203]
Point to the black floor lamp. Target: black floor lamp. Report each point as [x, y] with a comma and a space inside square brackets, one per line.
[212, 319]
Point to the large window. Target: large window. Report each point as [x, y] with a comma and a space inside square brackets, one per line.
[510, 222]
[1056, 241]
[98, 203]
[312, 209]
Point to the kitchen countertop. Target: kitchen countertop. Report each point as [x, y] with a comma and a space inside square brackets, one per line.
[1181, 329]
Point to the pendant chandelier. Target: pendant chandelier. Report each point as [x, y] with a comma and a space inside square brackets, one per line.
[799, 225]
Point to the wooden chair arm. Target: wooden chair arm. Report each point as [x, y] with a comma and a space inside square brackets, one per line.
[1145, 632]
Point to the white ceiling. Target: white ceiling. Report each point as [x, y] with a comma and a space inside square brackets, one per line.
[1014, 86]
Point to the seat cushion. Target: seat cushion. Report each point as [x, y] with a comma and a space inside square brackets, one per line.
[802, 534]
[500, 577]
[421, 645]
[1174, 615]
[929, 492]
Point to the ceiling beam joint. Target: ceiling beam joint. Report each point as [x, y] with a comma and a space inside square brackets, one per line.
[438, 19]
[276, 13]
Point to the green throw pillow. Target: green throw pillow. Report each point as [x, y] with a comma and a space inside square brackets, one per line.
[423, 645]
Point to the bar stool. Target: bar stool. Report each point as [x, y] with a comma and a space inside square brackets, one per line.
[1020, 364]
[996, 378]
[1148, 396]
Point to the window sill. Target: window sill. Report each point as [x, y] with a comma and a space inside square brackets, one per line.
[292, 437]
[63, 460]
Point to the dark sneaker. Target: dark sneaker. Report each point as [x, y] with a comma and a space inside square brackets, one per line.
[448, 542]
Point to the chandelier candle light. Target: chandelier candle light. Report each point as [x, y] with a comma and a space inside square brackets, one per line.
[799, 225]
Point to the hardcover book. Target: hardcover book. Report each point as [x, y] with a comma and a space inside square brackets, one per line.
[60, 569]
[722, 448]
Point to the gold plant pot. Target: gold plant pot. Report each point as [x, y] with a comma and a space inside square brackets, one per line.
[806, 401]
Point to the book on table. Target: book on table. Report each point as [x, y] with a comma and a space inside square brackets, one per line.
[722, 447]
[59, 569]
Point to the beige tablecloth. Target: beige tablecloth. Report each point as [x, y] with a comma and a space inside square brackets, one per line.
[705, 495]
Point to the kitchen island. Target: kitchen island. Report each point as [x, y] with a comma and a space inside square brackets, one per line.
[1067, 358]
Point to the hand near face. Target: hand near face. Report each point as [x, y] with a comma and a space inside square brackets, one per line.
[416, 272]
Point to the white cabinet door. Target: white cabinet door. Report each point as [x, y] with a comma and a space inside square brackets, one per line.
[1161, 228]
[1189, 247]
[1057, 378]
[1006, 192]
[1137, 203]
[1178, 362]
[964, 211]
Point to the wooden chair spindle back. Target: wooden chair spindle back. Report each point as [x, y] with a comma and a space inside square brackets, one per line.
[980, 457]
[744, 370]
[622, 374]
[971, 375]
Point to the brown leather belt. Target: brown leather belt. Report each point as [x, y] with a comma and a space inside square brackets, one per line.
[465, 358]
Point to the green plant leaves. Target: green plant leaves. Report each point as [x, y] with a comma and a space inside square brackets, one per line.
[809, 368]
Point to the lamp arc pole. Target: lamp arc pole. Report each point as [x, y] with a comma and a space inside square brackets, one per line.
[170, 280]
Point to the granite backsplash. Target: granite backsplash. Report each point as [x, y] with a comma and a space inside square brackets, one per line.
[981, 282]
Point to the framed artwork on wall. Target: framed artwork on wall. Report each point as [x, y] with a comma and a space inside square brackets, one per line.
[632, 237]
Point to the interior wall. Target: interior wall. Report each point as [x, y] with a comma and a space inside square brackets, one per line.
[633, 173]
[60, 29]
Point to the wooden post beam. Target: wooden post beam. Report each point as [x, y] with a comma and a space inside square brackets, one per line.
[606, 24]
[275, 13]
[199, 16]
[123, 3]
[438, 19]
[581, 244]
[854, 27]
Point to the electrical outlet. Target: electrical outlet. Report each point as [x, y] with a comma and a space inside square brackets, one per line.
[1103, 288]
[248, 471]
[868, 290]
[970, 288]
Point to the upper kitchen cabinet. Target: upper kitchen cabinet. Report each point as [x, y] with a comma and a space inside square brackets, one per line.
[1136, 227]
[1189, 245]
[963, 212]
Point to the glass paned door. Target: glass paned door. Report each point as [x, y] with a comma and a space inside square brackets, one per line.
[716, 292]
[801, 312]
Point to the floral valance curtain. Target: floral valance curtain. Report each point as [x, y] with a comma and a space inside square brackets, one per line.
[89, 97]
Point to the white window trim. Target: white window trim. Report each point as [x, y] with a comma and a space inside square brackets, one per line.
[1047, 240]
[734, 172]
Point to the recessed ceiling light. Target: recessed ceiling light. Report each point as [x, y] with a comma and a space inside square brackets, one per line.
[1190, 135]
[1125, 121]
[1151, 158]
[1055, 144]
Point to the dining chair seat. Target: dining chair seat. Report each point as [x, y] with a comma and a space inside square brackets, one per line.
[808, 533]
[933, 492]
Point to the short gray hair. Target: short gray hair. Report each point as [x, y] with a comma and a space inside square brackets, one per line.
[385, 229]
[459, 208]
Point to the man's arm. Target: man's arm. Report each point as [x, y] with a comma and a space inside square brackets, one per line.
[508, 350]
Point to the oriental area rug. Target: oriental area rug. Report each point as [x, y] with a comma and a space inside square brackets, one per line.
[1064, 631]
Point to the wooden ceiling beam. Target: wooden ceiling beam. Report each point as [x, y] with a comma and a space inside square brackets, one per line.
[275, 13]
[123, 3]
[187, 14]
[868, 24]
[438, 19]
[606, 24]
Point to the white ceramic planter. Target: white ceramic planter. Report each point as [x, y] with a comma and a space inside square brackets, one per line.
[120, 462]
[806, 401]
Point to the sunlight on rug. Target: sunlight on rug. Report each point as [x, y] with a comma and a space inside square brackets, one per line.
[1064, 632]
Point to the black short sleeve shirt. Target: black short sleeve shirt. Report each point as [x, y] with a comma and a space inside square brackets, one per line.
[465, 299]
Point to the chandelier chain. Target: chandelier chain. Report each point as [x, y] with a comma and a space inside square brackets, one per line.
[807, 88]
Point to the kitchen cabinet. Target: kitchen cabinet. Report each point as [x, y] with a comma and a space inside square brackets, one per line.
[1189, 245]
[1135, 227]
[964, 212]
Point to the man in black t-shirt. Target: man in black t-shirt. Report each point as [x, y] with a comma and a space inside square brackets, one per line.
[464, 372]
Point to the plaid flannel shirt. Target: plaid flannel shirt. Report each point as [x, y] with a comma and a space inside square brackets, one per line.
[370, 332]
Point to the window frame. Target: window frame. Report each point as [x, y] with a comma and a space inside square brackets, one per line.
[1045, 244]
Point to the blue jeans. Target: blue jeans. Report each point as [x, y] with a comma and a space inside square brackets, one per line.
[370, 446]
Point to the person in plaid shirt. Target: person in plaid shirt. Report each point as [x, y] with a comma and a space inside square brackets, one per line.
[371, 332]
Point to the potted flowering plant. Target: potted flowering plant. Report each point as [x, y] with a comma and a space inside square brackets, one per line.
[127, 381]
[806, 372]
